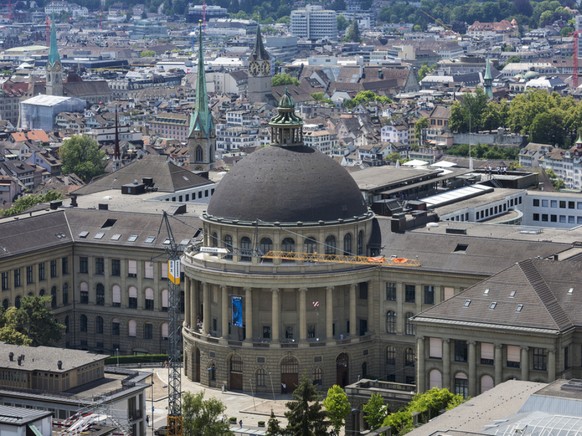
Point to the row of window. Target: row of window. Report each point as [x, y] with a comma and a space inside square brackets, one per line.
[115, 327]
[563, 219]
[42, 292]
[410, 293]
[391, 323]
[409, 356]
[558, 204]
[115, 271]
[34, 273]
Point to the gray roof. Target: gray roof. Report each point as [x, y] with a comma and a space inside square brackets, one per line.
[167, 176]
[20, 415]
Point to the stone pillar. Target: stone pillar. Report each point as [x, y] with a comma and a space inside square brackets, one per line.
[551, 365]
[353, 330]
[187, 297]
[224, 309]
[371, 301]
[194, 315]
[205, 308]
[524, 364]
[275, 315]
[472, 369]
[302, 314]
[447, 363]
[400, 308]
[420, 359]
[498, 364]
[329, 312]
[248, 314]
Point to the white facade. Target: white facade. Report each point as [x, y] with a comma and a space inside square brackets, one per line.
[394, 134]
[57, 8]
[319, 138]
[314, 22]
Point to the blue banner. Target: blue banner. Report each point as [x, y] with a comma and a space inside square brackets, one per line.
[237, 311]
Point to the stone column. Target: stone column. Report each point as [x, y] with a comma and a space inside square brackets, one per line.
[329, 312]
[447, 363]
[353, 330]
[371, 301]
[524, 364]
[302, 315]
[248, 307]
[205, 308]
[551, 365]
[187, 297]
[275, 315]
[498, 364]
[420, 359]
[224, 309]
[194, 315]
[472, 369]
[399, 308]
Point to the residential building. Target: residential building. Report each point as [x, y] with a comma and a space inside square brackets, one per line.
[313, 22]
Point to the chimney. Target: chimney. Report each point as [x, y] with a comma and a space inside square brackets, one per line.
[60, 364]
[11, 356]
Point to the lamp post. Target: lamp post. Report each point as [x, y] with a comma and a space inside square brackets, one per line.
[117, 355]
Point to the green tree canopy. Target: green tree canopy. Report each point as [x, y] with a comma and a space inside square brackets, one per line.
[27, 201]
[366, 97]
[147, 54]
[81, 155]
[30, 324]
[337, 407]
[284, 79]
[425, 70]
[273, 426]
[203, 417]
[375, 411]
[305, 415]
[467, 114]
[353, 32]
[342, 23]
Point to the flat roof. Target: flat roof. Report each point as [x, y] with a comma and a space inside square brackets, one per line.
[20, 415]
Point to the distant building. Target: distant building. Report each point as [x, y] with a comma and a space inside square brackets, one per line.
[314, 23]
[39, 112]
[205, 12]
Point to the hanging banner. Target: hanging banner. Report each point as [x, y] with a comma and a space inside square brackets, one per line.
[237, 311]
[174, 271]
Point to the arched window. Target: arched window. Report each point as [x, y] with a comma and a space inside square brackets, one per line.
[409, 357]
[435, 379]
[330, 245]
[261, 377]
[361, 243]
[132, 301]
[288, 244]
[348, 244]
[100, 294]
[236, 363]
[116, 296]
[246, 249]
[265, 246]
[132, 328]
[41, 293]
[149, 299]
[228, 246]
[17, 302]
[461, 384]
[199, 154]
[165, 303]
[54, 297]
[317, 376]
[391, 322]
[83, 323]
[5, 303]
[310, 245]
[99, 325]
[289, 365]
[390, 355]
[165, 330]
[65, 294]
[487, 383]
[408, 326]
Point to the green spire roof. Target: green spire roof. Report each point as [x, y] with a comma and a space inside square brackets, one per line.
[53, 55]
[201, 118]
[488, 70]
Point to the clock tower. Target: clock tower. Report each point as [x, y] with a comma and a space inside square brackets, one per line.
[54, 68]
[259, 81]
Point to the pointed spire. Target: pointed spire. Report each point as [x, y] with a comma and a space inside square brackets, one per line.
[201, 118]
[259, 52]
[53, 55]
[488, 80]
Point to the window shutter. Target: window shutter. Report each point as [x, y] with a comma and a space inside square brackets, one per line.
[436, 348]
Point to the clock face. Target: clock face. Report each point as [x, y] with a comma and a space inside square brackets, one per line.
[266, 68]
[254, 68]
[57, 66]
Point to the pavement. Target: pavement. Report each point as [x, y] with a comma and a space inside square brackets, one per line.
[250, 409]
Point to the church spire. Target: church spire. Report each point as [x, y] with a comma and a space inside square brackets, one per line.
[201, 119]
[488, 80]
[54, 68]
[53, 55]
[259, 53]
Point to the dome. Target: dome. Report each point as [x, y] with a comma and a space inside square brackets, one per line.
[286, 185]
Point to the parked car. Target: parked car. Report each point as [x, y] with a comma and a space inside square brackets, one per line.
[161, 431]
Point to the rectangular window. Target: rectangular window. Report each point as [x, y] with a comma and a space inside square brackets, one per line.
[487, 353]
[536, 216]
[513, 356]
[65, 266]
[4, 281]
[428, 294]
[99, 266]
[391, 291]
[562, 204]
[132, 268]
[83, 265]
[553, 203]
[149, 304]
[149, 270]
[363, 288]
[544, 203]
[539, 359]
[436, 348]
[53, 269]
[462, 387]
[164, 270]
[148, 331]
[448, 292]
[460, 351]
[17, 280]
[84, 297]
[115, 267]
[115, 328]
[29, 275]
[409, 293]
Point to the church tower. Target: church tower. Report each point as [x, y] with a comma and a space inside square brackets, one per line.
[202, 135]
[488, 80]
[259, 81]
[54, 68]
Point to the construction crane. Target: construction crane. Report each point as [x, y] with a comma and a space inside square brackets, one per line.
[336, 258]
[175, 420]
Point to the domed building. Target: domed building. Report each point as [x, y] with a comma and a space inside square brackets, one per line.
[259, 324]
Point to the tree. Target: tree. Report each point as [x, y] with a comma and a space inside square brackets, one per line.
[284, 79]
[147, 54]
[353, 32]
[375, 411]
[365, 97]
[30, 324]
[425, 70]
[342, 23]
[26, 202]
[421, 124]
[337, 407]
[203, 417]
[305, 415]
[81, 155]
[273, 427]
[467, 115]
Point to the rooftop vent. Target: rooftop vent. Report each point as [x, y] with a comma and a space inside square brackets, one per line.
[11, 356]
[454, 231]
[60, 364]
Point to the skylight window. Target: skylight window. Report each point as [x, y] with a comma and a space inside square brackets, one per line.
[461, 248]
[108, 223]
[512, 294]
[519, 308]
[570, 291]
[83, 234]
[486, 291]
[116, 237]
[99, 235]
[150, 239]
[467, 303]
[493, 305]
[132, 238]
